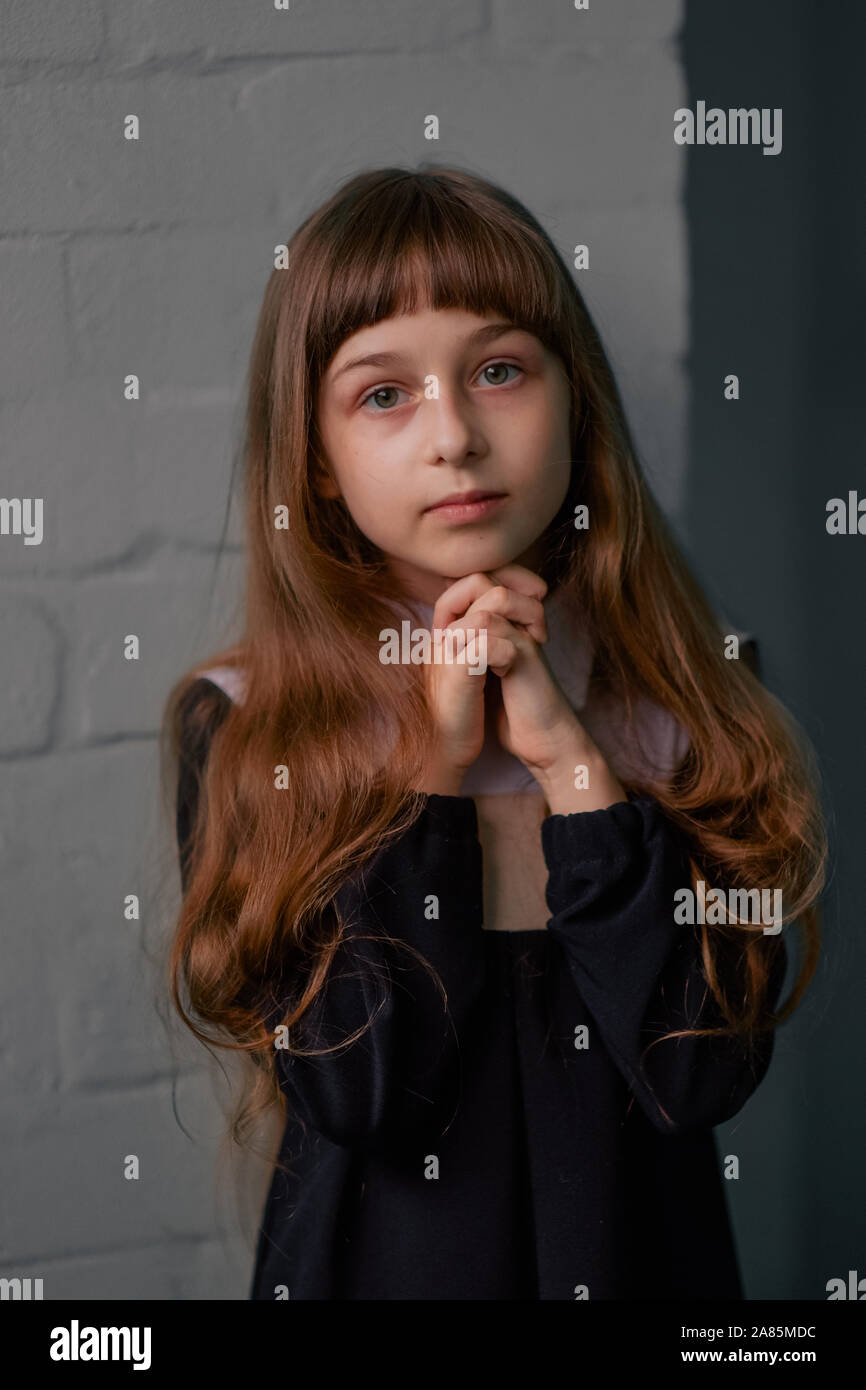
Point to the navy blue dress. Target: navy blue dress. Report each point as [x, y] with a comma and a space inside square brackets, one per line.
[511, 1145]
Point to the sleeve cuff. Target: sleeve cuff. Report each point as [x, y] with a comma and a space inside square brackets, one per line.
[616, 837]
[598, 833]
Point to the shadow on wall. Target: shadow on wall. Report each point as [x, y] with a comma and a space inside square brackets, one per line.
[777, 265]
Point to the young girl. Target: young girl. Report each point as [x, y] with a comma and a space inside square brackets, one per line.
[494, 931]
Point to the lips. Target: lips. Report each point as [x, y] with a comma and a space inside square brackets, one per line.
[461, 498]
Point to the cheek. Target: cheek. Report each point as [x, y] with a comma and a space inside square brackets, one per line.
[555, 466]
[559, 443]
[544, 454]
[369, 485]
[542, 428]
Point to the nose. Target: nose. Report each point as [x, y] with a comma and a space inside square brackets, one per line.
[452, 432]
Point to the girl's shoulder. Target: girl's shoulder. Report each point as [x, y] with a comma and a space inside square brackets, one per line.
[230, 679]
[643, 741]
[201, 709]
[205, 702]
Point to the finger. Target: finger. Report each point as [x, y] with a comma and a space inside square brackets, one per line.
[454, 602]
[504, 642]
[518, 577]
[520, 609]
[495, 624]
[501, 655]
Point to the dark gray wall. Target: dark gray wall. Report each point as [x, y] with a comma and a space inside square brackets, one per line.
[777, 296]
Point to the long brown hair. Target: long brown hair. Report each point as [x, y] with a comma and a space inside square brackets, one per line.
[260, 908]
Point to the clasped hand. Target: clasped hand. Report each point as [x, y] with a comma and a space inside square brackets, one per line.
[533, 718]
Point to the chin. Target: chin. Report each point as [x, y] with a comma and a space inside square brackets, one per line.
[483, 558]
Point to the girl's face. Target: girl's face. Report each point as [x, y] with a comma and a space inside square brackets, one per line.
[420, 406]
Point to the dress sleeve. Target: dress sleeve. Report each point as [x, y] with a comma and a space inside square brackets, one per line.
[399, 1080]
[612, 876]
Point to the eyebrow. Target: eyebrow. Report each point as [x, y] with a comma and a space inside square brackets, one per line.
[487, 333]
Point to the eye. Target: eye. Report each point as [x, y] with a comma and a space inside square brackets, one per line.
[379, 391]
[498, 366]
[383, 406]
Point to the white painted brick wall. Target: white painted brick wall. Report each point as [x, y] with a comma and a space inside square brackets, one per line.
[152, 257]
